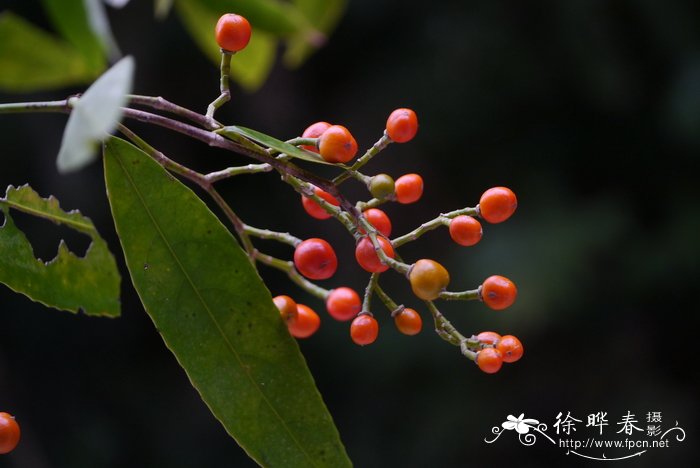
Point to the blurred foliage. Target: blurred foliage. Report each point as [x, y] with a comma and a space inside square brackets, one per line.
[588, 110]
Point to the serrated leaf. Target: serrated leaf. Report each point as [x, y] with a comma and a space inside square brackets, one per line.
[31, 59]
[322, 15]
[274, 143]
[216, 316]
[68, 282]
[249, 67]
[95, 115]
[70, 19]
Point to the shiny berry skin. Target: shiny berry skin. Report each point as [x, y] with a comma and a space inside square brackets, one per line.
[408, 322]
[409, 188]
[465, 230]
[489, 337]
[498, 292]
[337, 145]
[314, 209]
[381, 186]
[315, 259]
[489, 360]
[497, 204]
[287, 307]
[343, 304]
[306, 324]
[428, 279]
[364, 329]
[511, 348]
[314, 131]
[402, 125]
[232, 32]
[9, 433]
[379, 220]
[368, 258]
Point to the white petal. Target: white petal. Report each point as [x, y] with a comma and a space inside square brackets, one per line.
[99, 24]
[510, 417]
[509, 425]
[95, 115]
[522, 428]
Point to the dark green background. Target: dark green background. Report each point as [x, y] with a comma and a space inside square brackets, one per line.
[588, 110]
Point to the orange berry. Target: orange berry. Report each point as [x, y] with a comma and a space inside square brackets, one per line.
[306, 324]
[364, 329]
[9, 433]
[409, 188]
[337, 145]
[489, 360]
[428, 279]
[367, 257]
[497, 204]
[465, 230]
[314, 131]
[408, 322]
[379, 220]
[232, 32]
[287, 307]
[402, 125]
[315, 259]
[511, 348]
[343, 304]
[489, 337]
[498, 292]
[314, 209]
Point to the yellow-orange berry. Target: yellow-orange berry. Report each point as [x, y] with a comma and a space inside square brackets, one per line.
[428, 279]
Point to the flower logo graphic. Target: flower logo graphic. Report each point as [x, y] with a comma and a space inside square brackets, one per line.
[521, 425]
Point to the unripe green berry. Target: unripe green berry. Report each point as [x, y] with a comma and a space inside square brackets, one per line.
[381, 186]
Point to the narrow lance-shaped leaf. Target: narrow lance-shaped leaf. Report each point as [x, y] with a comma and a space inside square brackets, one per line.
[95, 115]
[272, 142]
[216, 316]
[68, 282]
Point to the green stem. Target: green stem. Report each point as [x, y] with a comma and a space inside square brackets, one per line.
[283, 237]
[225, 95]
[470, 295]
[367, 299]
[449, 333]
[401, 267]
[293, 274]
[388, 302]
[237, 170]
[441, 220]
[302, 141]
[373, 203]
[162, 104]
[382, 143]
[63, 106]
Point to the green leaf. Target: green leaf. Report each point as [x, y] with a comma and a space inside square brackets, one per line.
[95, 115]
[67, 282]
[216, 316]
[249, 67]
[70, 19]
[273, 16]
[31, 59]
[274, 143]
[322, 15]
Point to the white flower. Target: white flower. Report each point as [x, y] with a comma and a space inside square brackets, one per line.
[522, 426]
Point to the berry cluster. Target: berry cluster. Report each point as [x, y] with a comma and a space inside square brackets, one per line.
[376, 251]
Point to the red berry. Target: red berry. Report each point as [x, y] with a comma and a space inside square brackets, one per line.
[314, 209]
[489, 337]
[511, 348]
[364, 329]
[287, 308]
[337, 145]
[428, 279]
[408, 322]
[367, 257]
[9, 433]
[314, 131]
[409, 188]
[306, 324]
[315, 259]
[465, 230]
[343, 304]
[402, 125]
[232, 32]
[497, 204]
[498, 292]
[379, 220]
[489, 360]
